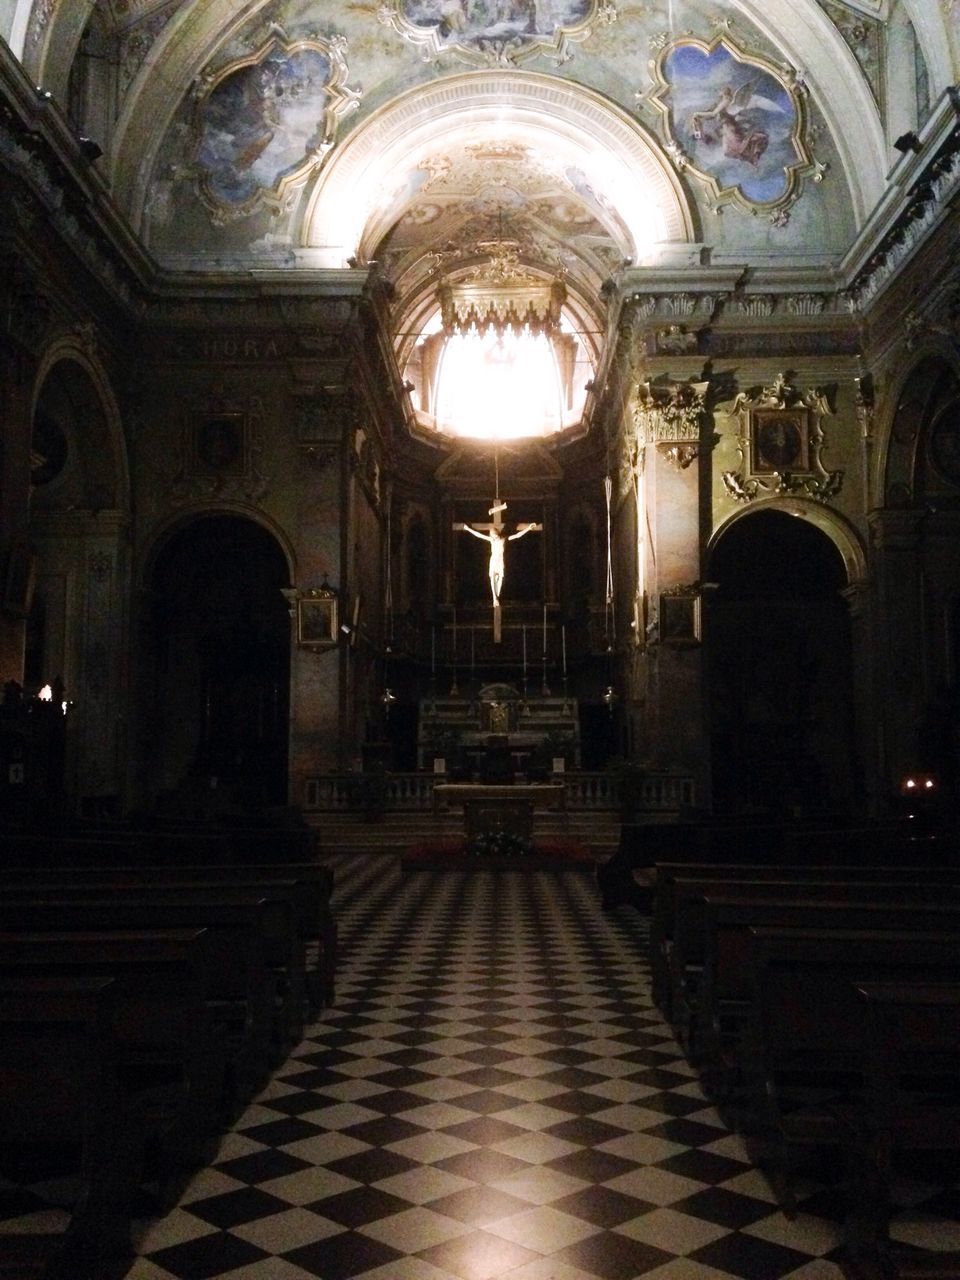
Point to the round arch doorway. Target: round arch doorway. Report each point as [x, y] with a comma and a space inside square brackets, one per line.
[221, 631]
[779, 671]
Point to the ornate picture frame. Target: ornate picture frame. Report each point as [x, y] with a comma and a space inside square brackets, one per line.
[262, 123]
[736, 121]
[781, 441]
[219, 444]
[515, 31]
[318, 619]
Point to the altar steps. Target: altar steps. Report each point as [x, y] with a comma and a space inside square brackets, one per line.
[394, 833]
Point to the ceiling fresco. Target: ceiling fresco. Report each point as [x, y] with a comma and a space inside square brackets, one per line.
[502, 191]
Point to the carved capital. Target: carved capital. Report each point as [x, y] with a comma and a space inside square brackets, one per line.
[670, 412]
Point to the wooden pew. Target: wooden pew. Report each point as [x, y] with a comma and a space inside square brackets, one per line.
[803, 1056]
[911, 1104]
[312, 887]
[62, 1104]
[627, 876]
[669, 875]
[253, 931]
[716, 1012]
[171, 1050]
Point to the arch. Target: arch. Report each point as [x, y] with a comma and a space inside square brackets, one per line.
[779, 664]
[76, 350]
[797, 27]
[164, 532]
[219, 649]
[836, 527]
[934, 362]
[342, 215]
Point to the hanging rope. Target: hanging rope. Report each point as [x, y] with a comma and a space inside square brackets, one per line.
[388, 594]
[609, 618]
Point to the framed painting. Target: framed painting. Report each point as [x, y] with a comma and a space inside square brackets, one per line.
[492, 32]
[317, 619]
[735, 120]
[781, 444]
[680, 618]
[262, 123]
[218, 444]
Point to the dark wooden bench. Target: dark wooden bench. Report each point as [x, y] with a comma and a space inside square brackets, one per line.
[803, 1057]
[689, 874]
[63, 1113]
[172, 1050]
[716, 1010]
[258, 953]
[312, 890]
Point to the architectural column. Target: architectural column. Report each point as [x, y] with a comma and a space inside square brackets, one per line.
[898, 646]
[670, 420]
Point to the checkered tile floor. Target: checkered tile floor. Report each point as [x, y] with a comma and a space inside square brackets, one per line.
[492, 1096]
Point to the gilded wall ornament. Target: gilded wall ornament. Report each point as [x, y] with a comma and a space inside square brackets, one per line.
[496, 32]
[735, 120]
[780, 443]
[263, 122]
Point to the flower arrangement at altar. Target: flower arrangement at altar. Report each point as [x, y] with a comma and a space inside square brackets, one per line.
[497, 844]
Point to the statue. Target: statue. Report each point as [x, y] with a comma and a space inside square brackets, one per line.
[493, 534]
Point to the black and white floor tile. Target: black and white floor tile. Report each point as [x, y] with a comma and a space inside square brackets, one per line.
[493, 1095]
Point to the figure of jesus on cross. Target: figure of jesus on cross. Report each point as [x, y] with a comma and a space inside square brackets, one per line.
[494, 534]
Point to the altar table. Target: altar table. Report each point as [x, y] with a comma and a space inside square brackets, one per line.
[490, 807]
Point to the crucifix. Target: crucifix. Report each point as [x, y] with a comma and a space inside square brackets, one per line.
[493, 533]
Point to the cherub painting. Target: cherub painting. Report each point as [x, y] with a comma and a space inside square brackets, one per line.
[494, 30]
[738, 124]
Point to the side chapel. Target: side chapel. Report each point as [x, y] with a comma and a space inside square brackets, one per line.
[377, 380]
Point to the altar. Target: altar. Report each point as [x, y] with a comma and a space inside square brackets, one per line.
[466, 725]
[491, 808]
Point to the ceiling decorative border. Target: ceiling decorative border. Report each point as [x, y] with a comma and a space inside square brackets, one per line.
[513, 33]
[262, 123]
[736, 121]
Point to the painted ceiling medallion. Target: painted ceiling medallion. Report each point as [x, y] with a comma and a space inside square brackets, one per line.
[263, 122]
[496, 32]
[734, 120]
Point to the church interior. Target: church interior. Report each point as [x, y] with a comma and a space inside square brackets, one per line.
[480, 561]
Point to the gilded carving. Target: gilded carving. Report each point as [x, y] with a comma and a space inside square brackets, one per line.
[780, 442]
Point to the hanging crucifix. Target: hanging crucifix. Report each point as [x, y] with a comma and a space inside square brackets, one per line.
[493, 533]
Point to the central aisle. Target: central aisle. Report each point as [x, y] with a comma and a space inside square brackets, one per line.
[492, 1096]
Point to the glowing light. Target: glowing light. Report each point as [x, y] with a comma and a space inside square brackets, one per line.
[503, 386]
[46, 694]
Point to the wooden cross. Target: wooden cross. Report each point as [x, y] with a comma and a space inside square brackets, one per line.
[492, 532]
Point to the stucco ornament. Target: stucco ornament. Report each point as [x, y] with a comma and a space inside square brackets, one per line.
[736, 121]
[496, 32]
[264, 122]
[780, 442]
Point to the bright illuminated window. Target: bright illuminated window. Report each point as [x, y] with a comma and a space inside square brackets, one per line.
[500, 386]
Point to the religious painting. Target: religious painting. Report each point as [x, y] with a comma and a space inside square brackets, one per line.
[734, 120]
[781, 444]
[488, 32]
[317, 618]
[680, 618]
[219, 445]
[780, 441]
[264, 122]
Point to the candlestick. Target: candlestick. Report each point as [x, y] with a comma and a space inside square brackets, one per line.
[544, 631]
[454, 635]
[563, 646]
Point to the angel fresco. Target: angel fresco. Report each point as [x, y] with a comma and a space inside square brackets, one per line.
[738, 123]
[485, 30]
